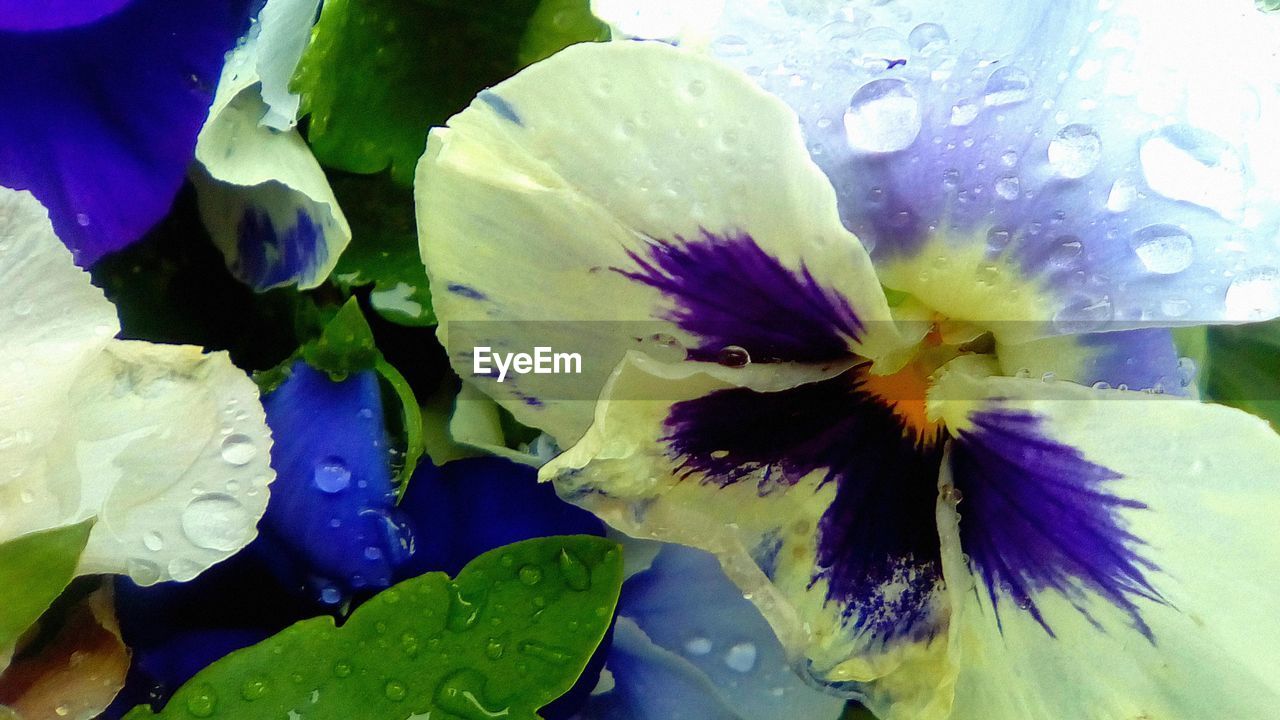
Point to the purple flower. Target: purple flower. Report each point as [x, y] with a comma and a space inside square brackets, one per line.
[103, 102]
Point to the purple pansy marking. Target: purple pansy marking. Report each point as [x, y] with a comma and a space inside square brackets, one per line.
[878, 544]
[267, 257]
[1037, 516]
[730, 292]
[100, 124]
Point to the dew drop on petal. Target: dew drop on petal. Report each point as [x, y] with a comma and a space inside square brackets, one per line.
[697, 646]
[733, 356]
[1075, 151]
[1163, 249]
[238, 449]
[883, 116]
[741, 657]
[1186, 163]
[1008, 188]
[928, 38]
[216, 522]
[1006, 86]
[1122, 196]
[964, 113]
[153, 541]
[1254, 295]
[331, 475]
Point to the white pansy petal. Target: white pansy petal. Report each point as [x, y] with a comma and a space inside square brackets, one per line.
[265, 199]
[263, 196]
[168, 447]
[52, 322]
[1112, 554]
[625, 191]
[816, 499]
[284, 30]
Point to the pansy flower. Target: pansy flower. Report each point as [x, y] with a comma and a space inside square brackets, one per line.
[103, 101]
[164, 447]
[263, 196]
[926, 528]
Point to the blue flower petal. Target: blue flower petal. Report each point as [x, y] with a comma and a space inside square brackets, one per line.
[686, 605]
[27, 16]
[100, 123]
[332, 510]
[176, 629]
[468, 507]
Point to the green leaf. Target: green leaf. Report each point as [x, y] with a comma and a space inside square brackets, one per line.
[511, 634]
[34, 570]
[379, 73]
[384, 248]
[1243, 368]
[345, 346]
[556, 25]
[411, 413]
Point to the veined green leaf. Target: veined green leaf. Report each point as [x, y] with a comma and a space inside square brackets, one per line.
[512, 633]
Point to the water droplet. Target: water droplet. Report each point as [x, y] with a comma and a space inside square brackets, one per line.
[733, 356]
[575, 572]
[951, 494]
[143, 572]
[1075, 151]
[1185, 163]
[1006, 86]
[547, 653]
[464, 611]
[331, 475]
[494, 648]
[342, 669]
[664, 348]
[1122, 196]
[1186, 371]
[1175, 307]
[82, 220]
[530, 575]
[697, 646]
[1084, 315]
[153, 542]
[928, 38]
[1254, 295]
[964, 112]
[202, 701]
[254, 689]
[1009, 187]
[462, 693]
[330, 595]
[883, 116]
[395, 690]
[998, 239]
[238, 449]
[741, 657]
[217, 522]
[1163, 249]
